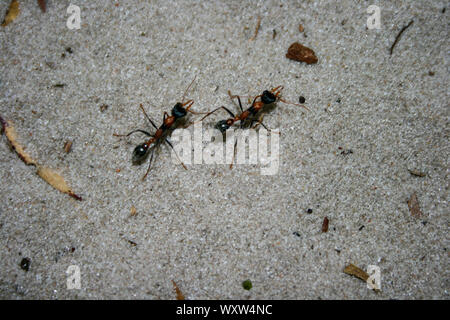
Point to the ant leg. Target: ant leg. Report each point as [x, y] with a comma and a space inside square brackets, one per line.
[134, 131]
[210, 113]
[259, 122]
[240, 105]
[149, 165]
[241, 125]
[234, 154]
[170, 144]
[165, 116]
[153, 124]
[239, 100]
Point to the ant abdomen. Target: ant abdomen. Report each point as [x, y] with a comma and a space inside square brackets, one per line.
[139, 153]
[222, 126]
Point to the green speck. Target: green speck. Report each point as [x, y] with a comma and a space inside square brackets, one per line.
[247, 284]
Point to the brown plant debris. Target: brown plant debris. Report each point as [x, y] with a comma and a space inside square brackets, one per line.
[68, 146]
[133, 211]
[180, 295]
[11, 135]
[353, 270]
[399, 35]
[299, 52]
[132, 243]
[417, 173]
[42, 5]
[325, 224]
[51, 177]
[103, 107]
[56, 181]
[300, 28]
[12, 13]
[414, 207]
[258, 24]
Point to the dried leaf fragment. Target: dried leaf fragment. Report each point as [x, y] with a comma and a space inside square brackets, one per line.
[68, 146]
[56, 181]
[51, 177]
[299, 52]
[325, 224]
[417, 173]
[300, 28]
[42, 5]
[180, 295]
[11, 135]
[414, 207]
[12, 13]
[133, 211]
[353, 270]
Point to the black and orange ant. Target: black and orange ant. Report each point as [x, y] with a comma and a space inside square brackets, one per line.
[170, 122]
[251, 114]
[267, 98]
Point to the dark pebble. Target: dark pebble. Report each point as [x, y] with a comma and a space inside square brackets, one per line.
[309, 211]
[301, 99]
[25, 264]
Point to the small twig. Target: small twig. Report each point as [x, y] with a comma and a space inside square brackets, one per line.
[399, 34]
[180, 295]
[258, 24]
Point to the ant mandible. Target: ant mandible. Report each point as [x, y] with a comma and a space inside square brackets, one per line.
[170, 122]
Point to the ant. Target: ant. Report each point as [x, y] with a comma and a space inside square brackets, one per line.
[266, 98]
[170, 122]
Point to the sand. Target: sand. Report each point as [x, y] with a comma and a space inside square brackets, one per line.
[373, 117]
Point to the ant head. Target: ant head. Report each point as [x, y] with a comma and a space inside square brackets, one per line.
[222, 125]
[268, 97]
[139, 153]
[178, 111]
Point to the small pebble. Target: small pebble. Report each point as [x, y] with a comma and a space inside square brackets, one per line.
[309, 211]
[301, 99]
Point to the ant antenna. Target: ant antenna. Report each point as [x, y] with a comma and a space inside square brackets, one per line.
[295, 104]
[277, 92]
[182, 100]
